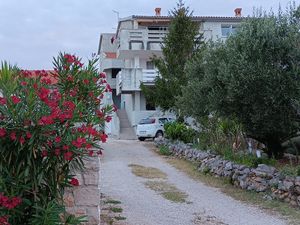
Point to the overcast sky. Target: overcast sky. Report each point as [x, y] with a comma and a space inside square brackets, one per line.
[33, 31]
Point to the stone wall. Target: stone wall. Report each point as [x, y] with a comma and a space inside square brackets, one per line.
[261, 179]
[84, 200]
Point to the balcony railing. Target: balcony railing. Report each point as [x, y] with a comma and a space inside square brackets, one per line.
[141, 39]
[130, 79]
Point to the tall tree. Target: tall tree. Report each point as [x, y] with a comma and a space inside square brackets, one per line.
[179, 45]
[254, 77]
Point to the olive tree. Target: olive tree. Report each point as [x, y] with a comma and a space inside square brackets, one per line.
[253, 77]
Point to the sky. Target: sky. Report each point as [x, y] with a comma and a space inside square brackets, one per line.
[32, 32]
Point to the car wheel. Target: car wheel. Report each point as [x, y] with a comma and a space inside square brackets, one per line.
[159, 134]
[141, 138]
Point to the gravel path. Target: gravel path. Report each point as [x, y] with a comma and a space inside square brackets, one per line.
[143, 206]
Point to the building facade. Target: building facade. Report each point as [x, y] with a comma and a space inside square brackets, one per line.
[125, 57]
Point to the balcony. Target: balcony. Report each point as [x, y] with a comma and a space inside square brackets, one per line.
[130, 79]
[143, 41]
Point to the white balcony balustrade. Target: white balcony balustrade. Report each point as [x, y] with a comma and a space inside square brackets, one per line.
[130, 79]
[141, 39]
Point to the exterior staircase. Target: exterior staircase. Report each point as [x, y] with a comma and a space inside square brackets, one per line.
[126, 130]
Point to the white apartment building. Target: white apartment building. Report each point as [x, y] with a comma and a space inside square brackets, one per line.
[125, 57]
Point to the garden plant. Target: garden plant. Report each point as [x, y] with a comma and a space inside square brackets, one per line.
[47, 129]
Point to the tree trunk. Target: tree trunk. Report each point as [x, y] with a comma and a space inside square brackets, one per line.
[274, 148]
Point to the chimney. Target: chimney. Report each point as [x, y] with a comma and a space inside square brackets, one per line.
[157, 11]
[238, 12]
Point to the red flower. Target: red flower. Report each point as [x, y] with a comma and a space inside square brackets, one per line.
[2, 132]
[68, 156]
[115, 109]
[103, 137]
[4, 220]
[22, 140]
[46, 120]
[86, 81]
[91, 152]
[2, 101]
[43, 93]
[57, 151]
[44, 153]
[13, 136]
[74, 182]
[70, 78]
[108, 119]
[23, 83]
[15, 99]
[79, 142]
[70, 58]
[66, 147]
[9, 203]
[102, 75]
[28, 135]
[57, 139]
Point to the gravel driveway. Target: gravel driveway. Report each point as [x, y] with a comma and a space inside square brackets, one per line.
[143, 206]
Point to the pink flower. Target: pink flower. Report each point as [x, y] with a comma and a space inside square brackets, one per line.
[23, 83]
[2, 132]
[74, 182]
[13, 136]
[57, 139]
[57, 151]
[68, 156]
[22, 140]
[102, 75]
[108, 119]
[103, 137]
[2, 101]
[28, 135]
[44, 153]
[15, 99]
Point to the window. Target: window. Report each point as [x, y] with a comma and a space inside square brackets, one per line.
[163, 120]
[228, 30]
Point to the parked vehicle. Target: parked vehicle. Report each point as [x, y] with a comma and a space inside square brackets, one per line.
[151, 127]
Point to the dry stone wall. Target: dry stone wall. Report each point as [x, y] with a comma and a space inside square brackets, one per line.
[261, 179]
[84, 200]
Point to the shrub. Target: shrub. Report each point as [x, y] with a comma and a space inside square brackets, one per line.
[179, 131]
[46, 131]
[164, 150]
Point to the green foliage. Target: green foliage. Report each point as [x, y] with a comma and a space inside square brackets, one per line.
[179, 45]
[253, 77]
[290, 170]
[45, 133]
[245, 159]
[164, 150]
[179, 131]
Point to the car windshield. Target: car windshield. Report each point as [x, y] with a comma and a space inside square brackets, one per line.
[147, 121]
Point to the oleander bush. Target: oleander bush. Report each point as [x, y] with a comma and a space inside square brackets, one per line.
[46, 131]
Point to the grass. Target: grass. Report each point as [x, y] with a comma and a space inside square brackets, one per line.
[111, 201]
[273, 206]
[147, 172]
[164, 150]
[110, 214]
[116, 209]
[168, 191]
[120, 218]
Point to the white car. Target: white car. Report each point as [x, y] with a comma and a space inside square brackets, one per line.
[151, 127]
